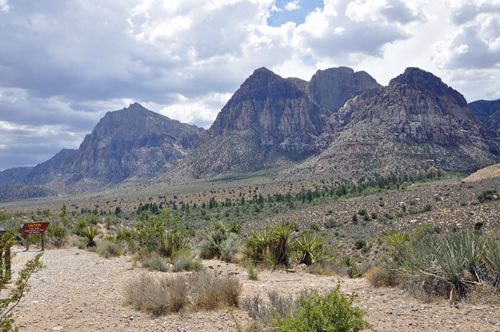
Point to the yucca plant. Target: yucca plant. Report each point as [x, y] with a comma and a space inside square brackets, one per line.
[492, 260]
[308, 249]
[90, 233]
[397, 242]
[418, 257]
[257, 246]
[281, 236]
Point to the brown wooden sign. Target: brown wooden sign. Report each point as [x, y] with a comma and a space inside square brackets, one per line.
[35, 228]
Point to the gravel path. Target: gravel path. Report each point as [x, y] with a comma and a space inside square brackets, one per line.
[81, 291]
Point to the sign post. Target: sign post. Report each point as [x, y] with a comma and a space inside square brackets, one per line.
[34, 228]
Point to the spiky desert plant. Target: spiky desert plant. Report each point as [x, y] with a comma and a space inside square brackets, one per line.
[492, 259]
[257, 246]
[90, 233]
[308, 249]
[396, 242]
[281, 236]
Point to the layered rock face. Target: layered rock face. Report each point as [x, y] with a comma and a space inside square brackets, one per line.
[414, 123]
[130, 145]
[276, 108]
[270, 121]
[488, 112]
[331, 88]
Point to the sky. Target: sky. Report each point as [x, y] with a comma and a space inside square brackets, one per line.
[65, 63]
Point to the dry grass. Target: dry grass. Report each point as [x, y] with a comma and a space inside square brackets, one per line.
[157, 294]
[212, 292]
[378, 277]
[166, 294]
[484, 294]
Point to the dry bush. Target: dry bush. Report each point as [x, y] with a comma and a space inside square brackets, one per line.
[428, 288]
[322, 270]
[159, 295]
[378, 276]
[166, 294]
[212, 292]
[483, 294]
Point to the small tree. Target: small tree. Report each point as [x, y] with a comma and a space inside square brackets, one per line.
[8, 303]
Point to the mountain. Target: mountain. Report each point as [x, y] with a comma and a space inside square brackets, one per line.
[488, 112]
[270, 121]
[17, 192]
[331, 88]
[415, 123]
[126, 146]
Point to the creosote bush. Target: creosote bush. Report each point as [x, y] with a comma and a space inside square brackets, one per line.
[310, 312]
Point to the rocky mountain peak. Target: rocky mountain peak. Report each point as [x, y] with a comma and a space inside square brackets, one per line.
[427, 82]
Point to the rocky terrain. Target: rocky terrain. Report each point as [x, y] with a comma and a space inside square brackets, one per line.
[81, 291]
[488, 112]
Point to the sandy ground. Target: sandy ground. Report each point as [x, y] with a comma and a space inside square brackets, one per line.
[81, 291]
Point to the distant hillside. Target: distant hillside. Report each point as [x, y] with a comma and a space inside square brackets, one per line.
[17, 192]
[489, 172]
[127, 146]
[488, 112]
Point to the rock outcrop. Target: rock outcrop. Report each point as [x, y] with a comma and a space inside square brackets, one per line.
[414, 123]
[331, 88]
[488, 112]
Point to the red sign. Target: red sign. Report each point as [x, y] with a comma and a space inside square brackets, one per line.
[35, 228]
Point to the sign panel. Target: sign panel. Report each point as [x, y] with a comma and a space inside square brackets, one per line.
[35, 228]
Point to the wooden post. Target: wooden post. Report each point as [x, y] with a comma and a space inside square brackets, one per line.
[43, 241]
[27, 242]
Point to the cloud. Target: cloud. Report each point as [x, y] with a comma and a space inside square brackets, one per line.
[347, 31]
[65, 63]
[293, 5]
[474, 46]
[464, 11]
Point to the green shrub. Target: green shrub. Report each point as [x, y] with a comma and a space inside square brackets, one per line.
[359, 244]
[155, 263]
[314, 227]
[315, 313]
[330, 224]
[488, 196]
[230, 247]
[109, 249]
[187, 264]
[253, 273]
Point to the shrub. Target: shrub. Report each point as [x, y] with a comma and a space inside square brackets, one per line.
[230, 247]
[378, 276]
[314, 312]
[109, 249]
[211, 292]
[253, 273]
[362, 212]
[187, 264]
[355, 219]
[487, 196]
[157, 294]
[315, 227]
[155, 263]
[330, 224]
[359, 244]
[56, 234]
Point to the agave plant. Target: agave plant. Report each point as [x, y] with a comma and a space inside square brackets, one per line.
[492, 259]
[90, 233]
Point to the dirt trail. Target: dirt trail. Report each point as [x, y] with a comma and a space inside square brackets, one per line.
[81, 291]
